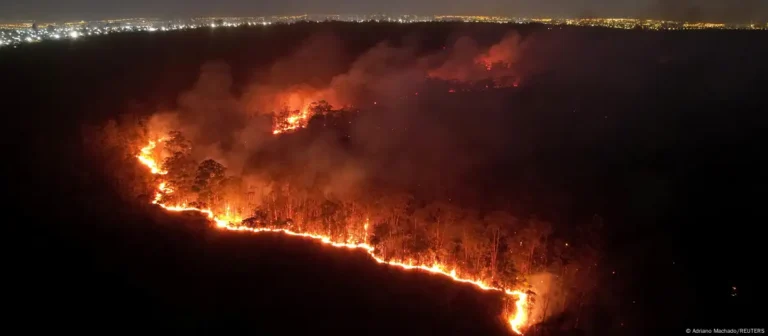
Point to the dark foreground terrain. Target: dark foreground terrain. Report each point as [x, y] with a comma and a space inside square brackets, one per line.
[665, 147]
[175, 274]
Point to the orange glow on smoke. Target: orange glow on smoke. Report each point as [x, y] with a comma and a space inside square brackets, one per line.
[227, 221]
[488, 65]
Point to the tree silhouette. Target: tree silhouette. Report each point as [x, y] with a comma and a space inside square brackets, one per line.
[209, 182]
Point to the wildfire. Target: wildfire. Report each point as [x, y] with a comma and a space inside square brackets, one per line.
[228, 221]
[146, 158]
[297, 119]
[487, 65]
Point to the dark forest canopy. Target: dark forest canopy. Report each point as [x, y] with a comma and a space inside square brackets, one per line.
[638, 131]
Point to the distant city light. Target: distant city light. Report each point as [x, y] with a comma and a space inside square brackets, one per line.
[27, 32]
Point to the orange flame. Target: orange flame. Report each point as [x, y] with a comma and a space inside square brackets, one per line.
[299, 119]
[146, 158]
[228, 221]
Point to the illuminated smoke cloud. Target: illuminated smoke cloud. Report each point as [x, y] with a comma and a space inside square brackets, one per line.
[230, 127]
[245, 134]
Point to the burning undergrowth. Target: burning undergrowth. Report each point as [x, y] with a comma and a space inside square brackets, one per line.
[358, 159]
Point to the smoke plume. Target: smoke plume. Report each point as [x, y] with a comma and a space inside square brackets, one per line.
[550, 296]
[235, 128]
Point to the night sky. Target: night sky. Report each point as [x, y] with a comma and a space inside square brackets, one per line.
[692, 10]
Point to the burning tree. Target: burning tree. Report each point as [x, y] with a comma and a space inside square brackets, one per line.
[209, 183]
[493, 248]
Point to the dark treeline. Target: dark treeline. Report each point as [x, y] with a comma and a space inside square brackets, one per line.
[653, 134]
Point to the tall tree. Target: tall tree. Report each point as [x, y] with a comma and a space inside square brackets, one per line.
[177, 143]
[532, 240]
[181, 170]
[209, 182]
[320, 108]
[498, 224]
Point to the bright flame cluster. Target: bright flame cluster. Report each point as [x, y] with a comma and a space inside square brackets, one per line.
[145, 157]
[299, 119]
[227, 221]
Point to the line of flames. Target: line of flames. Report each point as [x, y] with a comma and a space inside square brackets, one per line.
[517, 320]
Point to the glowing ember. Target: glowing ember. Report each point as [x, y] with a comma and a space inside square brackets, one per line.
[228, 221]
